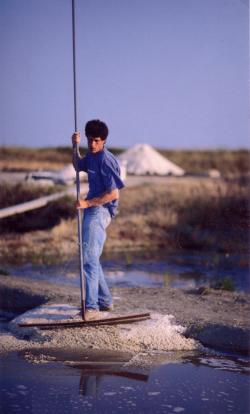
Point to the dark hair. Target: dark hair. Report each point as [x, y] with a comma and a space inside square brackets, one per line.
[96, 128]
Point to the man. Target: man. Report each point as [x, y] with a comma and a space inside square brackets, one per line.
[100, 206]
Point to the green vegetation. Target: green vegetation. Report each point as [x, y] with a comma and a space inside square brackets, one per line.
[225, 283]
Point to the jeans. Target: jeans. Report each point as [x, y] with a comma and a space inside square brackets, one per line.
[95, 222]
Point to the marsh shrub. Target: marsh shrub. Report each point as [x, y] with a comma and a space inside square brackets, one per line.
[225, 283]
[42, 218]
[190, 214]
[11, 194]
[184, 213]
[215, 213]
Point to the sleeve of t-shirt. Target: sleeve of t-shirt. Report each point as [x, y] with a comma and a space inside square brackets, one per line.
[82, 164]
[111, 176]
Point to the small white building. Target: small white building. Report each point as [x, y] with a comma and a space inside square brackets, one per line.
[142, 159]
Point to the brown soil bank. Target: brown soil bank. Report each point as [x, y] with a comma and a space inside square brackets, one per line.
[218, 319]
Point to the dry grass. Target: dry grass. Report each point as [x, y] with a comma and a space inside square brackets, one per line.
[11, 194]
[40, 247]
[229, 163]
[198, 214]
[28, 159]
[185, 213]
[42, 218]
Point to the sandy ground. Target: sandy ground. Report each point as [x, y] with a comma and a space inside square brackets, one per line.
[216, 319]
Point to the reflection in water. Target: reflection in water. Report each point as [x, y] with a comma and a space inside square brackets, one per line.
[107, 382]
[89, 384]
[91, 380]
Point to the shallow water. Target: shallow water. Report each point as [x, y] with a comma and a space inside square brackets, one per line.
[180, 270]
[172, 383]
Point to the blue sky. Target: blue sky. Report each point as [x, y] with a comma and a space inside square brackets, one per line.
[172, 73]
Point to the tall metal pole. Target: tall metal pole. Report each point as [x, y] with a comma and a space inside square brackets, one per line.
[74, 62]
[79, 211]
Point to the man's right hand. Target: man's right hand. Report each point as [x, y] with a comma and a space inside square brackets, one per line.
[76, 138]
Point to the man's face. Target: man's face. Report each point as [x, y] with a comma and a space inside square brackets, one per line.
[95, 144]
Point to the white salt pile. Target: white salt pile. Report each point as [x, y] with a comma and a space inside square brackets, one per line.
[158, 333]
[41, 314]
[143, 159]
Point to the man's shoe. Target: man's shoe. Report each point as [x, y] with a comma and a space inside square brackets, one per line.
[107, 308]
[92, 314]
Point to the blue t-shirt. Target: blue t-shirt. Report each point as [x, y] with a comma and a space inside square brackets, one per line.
[103, 175]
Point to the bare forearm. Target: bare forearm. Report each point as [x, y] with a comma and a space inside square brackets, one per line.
[99, 201]
[105, 198]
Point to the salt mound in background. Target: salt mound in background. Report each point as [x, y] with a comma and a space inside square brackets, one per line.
[159, 333]
[143, 159]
